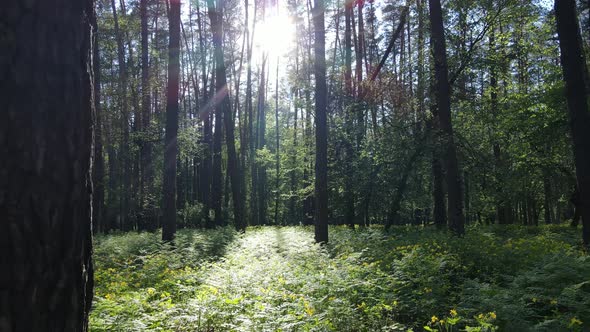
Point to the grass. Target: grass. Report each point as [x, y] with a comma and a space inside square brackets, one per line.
[277, 279]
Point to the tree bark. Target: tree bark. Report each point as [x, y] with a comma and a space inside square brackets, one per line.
[349, 211]
[575, 74]
[278, 150]
[46, 143]
[321, 101]
[98, 167]
[124, 159]
[170, 139]
[443, 98]
[147, 169]
[233, 169]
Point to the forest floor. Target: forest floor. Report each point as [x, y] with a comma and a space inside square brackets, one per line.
[276, 279]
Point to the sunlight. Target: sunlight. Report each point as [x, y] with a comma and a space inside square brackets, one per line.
[275, 35]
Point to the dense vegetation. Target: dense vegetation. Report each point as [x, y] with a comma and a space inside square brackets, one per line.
[277, 279]
[195, 143]
[387, 160]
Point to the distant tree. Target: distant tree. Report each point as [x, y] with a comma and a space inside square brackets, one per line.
[171, 139]
[98, 206]
[46, 138]
[147, 166]
[575, 74]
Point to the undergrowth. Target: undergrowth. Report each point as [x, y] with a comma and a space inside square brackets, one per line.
[277, 279]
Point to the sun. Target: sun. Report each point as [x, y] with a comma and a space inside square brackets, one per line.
[275, 35]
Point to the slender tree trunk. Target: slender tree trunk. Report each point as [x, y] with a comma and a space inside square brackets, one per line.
[278, 155]
[233, 170]
[443, 98]
[123, 106]
[547, 206]
[260, 133]
[217, 174]
[147, 168]
[46, 144]
[98, 167]
[170, 139]
[575, 74]
[501, 212]
[349, 211]
[321, 100]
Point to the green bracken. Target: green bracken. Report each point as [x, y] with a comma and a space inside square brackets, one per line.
[276, 279]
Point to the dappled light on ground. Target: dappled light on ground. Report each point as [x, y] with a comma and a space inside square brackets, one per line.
[272, 279]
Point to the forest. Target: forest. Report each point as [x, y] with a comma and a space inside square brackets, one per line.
[293, 165]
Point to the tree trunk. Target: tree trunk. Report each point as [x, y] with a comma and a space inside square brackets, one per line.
[98, 167]
[349, 211]
[575, 73]
[46, 143]
[123, 106]
[261, 143]
[321, 100]
[170, 139]
[233, 169]
[217, 175]
[147, 169]
[443, 98]
[278, 150]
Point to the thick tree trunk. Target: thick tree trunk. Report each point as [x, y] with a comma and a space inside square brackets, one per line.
[46, 143]
[170, 139]
[321, 101]
[575, 73]
[443, 98]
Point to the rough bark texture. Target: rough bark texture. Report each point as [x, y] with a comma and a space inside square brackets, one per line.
[46, 136]
[443, 98]
[321, 138]
[575, 73]
[170, 140]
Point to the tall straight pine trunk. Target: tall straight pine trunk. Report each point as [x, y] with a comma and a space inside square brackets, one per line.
[575, 74]
[443, 98]
[170, 139]
[321, 138]
[46, 141]
[233, 170]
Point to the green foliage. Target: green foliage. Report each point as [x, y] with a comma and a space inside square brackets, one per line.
[277, 279]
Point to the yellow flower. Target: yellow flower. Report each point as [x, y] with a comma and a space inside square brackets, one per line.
[553, 302]
[453, 312]
[434, 319]
[492, 315]
[480, 316]
[575, 321]
[151, 291]
[442, 322]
